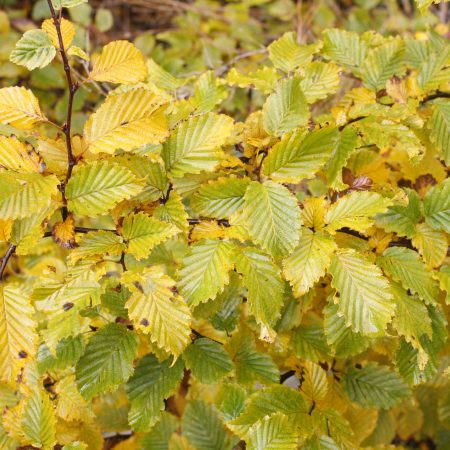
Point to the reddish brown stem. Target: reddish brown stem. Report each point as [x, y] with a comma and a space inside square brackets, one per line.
[73, 87]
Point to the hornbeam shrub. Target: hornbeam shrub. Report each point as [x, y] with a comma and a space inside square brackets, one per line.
[191, 280]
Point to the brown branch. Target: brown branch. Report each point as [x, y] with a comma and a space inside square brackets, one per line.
[73, 87]
[438, 94]
[5, 260]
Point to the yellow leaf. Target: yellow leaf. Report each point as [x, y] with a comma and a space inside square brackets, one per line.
[127, 121]
[67, 32]
[17, 332]
[15, 155]
[120, 62]
[432, 244]
[19, 108]
[64, 233]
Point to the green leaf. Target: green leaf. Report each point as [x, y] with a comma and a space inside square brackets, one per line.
[411, 318]
[151, 383]
[173, 211]
[231, 400]
[143, 233]
[345, 144]
[375, 386]
[96, 188]
[202, 426]
[439, 126]
[404, 265]
[98, 243]
[266, 402]
[299, 155]
[344, 47]
[68, 352]
[34, 49]
[207, 360]
[286, 108]
[38, 421]
[272, 433]
[309, 261]
[205, 270]
[159, 436]
[208, 93]
[107, 360]
[58, 4]
[265, 287]
[400, 219]
[251, 365]
[22, 195]
[220, 198]
[381, 64]
[365, 297]
[155, 309]
[287, 55]
[309, 343]
[434, 70]
[272, 217]
[436, 207]
[195, 145]
[343, 341]
[355, 211]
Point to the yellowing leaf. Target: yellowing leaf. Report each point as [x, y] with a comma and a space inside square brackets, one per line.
[67, 31]
[18, 339]
[272, 217]
[381, 64]
[14, 155]
[38, 421]
[156, 310]
[439, 125]
[272, 433]
[432, 244]
[120, 62]
[286, 108]
[70, 404]
[64, 233]
[126, 121]
[365, 298]
[309, 261]
[96, 188]
[143, 233]
[404, 265]
[97, 244]
[287, 55]
[195, 145]
[436, 207]
[299, 155]
[355, 211]
[320, 80]
[220, 198]
[22, 195]
[19, 108]
[265, 288]
[205, 270]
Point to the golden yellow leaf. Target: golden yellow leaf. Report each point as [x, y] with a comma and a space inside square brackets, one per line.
[67, 32]
[120, 62]
[19, 108]
[64, 233]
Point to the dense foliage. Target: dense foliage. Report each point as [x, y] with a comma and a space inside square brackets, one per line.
[253, 256]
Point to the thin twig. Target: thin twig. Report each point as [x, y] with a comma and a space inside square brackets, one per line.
[73, 87]
[5, 260]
